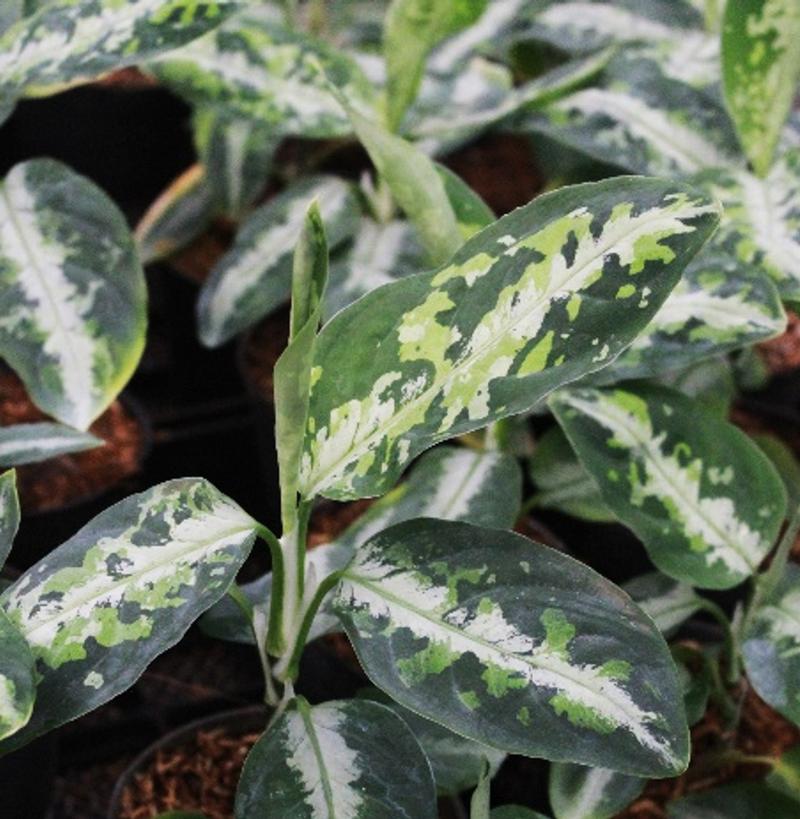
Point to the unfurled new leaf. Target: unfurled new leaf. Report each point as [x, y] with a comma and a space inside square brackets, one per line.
[516, 313]
[515, 645]
[30, 443]
[578, 792]
[704, 500]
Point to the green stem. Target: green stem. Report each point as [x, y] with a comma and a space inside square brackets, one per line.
[769, 579]
[730, 644]
[277, 594]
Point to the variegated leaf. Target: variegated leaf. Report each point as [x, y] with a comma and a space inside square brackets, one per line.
[772, 646]
[353, 759]
[738, 800]
[667, 602]
[31, 443]
[515, 645]
[72, 291]
[17, 681]
[258, 69]
[760, 71]
[578, 792]
[10, 12]
[72, 41]
[517, 312]
[121, 591]
[561, 481]
[180, 214]
[9, 513]
[253, 278]
[704, 500]
[709, 382]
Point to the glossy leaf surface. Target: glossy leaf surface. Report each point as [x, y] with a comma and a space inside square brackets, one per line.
[17, 680]
[668, 602]
[578, 792]
[31, 443]
[9, 513]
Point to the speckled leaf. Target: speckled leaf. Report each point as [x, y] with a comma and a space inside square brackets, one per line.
[72, 291]
[30, 443]
[761, 71]
[705, 501]
[353, 759]
[513, 644]
[260, 70]
[772, 646]
[71, 41]
[17, 681]
[740, 800]
[180, 214]
[668, 602]
[574, 276]
[578, 792]
[121, 591]
[561, 481]
[9, 513]
[253, 278]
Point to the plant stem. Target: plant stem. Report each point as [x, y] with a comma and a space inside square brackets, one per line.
[771, 577]
[730, 643]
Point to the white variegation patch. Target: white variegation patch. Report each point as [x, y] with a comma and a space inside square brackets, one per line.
[605, 21]
[29, 443]
[671, 608]
[783, 619]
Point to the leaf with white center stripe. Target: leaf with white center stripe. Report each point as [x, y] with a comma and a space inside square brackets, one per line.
[544, 295]
[17, 681]
[72, 291]
[72, 41]
[254, 277]
[740, 800]
[772, 646]
[121, 591]
[31, 443]
[761, 72]
[258, 69]
[578, 792]
[705, 501]
[515, 645]
[668, 602]
[352, 759]
[9, 513]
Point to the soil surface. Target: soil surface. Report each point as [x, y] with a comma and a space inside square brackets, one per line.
[782, 354]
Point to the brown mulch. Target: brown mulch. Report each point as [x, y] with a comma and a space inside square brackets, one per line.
[60, 482]
[782, 354]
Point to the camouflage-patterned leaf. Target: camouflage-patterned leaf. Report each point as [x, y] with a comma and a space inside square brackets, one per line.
[72, 291]
[260, 70]
[705, 501]
[438, 354]
[740, 800]
[772, 646]
[561, 481]
[578, 792]
[121, 591]
[71, 41]
[31, 443]
[513, 644]
[760, 71]
[355, 759]
[17, 681]
[9, 513]
[180, 214]
[668, 602]
[254, 276]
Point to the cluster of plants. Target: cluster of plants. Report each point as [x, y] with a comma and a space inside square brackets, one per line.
[626, 308]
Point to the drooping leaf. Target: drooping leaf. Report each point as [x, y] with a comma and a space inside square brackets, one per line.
[668, 602]
[760, 71]
[72, 291]
[353, 758]
[740, 800]
[772, 646]
[253, 277]
[578, 792]
[121, 591]
[704, 500]
[17, 680]
[31, 443]
[515, 645]
[9, 513]
[438, 354]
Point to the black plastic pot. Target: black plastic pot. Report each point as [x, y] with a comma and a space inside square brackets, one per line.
[27, 779]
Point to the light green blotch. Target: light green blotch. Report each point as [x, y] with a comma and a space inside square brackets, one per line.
[455, 577]
[720, 476]
[581, 715]
[536, 360]
[422, 337]
[573, 306]
[626, 291]
[524, 715]
[94, 680]
[470, 699]
[470, 270]
[558, 631]
[648, 248]
[499, 681]
[616, 669]
[433, 659]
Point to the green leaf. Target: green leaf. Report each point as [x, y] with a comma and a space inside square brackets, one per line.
[438, 354]
[703, 499]
[481, 796]
[740, 800]
[121, 591]
[668, 602]
[72, 291]
[561, 481]
[254, 277]
[512, 644]
[760, 71]
[17, 681]
[785, 462]
[72, 41]
[515, 812]
[785, 774]
[9, 513]
[710, 382]
[32, 443]
[180, 214]
[411, 30]
[258, 69]
[471, 212]
[772, 646]
[354, 759]
[696, 682]
[578, 792]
